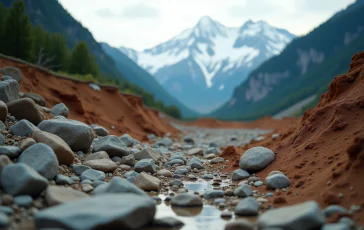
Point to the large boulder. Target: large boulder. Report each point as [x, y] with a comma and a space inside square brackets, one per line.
[25, 108]
[12, 72]
[36, 98]
[109, 211]
[21, 179]
[42, 159]
[307, 215]
[63, 152]
[148, 153]
[77, 135]
[256, 158]
[112, 145]
[60, 110]
[9, 90]
[23, 128]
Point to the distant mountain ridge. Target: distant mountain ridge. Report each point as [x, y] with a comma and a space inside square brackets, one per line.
[304, 68]
[202, 65]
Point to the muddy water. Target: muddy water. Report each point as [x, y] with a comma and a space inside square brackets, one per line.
[201, 218]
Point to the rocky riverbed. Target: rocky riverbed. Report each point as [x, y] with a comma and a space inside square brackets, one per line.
[59, 173]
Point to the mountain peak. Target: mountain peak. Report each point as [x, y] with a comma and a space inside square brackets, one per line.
[205, 21]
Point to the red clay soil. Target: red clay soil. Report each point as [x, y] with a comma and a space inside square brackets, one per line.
[107, 107]
[324, 155]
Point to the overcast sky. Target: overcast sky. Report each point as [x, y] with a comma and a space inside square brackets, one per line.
[142, 24]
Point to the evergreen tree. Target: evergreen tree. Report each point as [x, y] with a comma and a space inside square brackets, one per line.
[81, 61]
[59, 52]
[18, 41]
[3, 12]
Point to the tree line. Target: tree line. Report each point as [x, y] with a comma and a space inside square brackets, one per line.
[20, 39]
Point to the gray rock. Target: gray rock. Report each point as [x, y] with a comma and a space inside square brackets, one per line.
[181, 171]
[189, 140]
[241, 224]
[42, 159]
[4, 78]
[6, 210]
[247, 207]
[128, 160]
[195, 163]
[307, 215]
[151, 137]
[176, 182]
[258, 183]
[253, 179]
[23, 201]
[2, 139]
[100, 131]
[186, 200]
[127, 140]
[12, 72]
[148, 153]
[336, 226]
[23, 128]
[28, 181]
[145, 165]
[166, 142]
[213, 150]
[3, 111]
[207, 176]
[256, 158]
[36, 98]
[18, 107]
[109, 211]
[174, 162]
[97, 183]
[211, 194]
[4, 220]
[63, 180]
[112, 145]
[2, 125]
[179, 157]
[131, 173]
[95, 87]
[217, 160]
[243, 191]
[195, 151]
[9, 90]
[55, 195]
[332, 209]
[60, 110]
[240, 174]
[131, 179]
[167, 222]
[97, 156]
[77, 135]
[91, 174]
[277, 181]
[10, 151]
[79, 169]
[119, 185]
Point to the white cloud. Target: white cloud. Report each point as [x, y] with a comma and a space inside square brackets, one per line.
[142, 24]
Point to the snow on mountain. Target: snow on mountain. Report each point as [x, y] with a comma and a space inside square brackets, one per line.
[211, 59]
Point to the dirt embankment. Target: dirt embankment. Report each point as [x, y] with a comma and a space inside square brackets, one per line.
[324, 155]
[107, 107]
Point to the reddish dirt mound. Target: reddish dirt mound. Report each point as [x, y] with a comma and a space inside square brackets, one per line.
[107, 107]
[324, 155]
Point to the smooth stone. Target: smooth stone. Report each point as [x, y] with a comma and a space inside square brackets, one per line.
[240, 174]
[219, 201]
[336, 226]
[77, 135]
[28, 181]
[42, 159]
[38, 99]
[10, 151]
[186, 200]
[97, 183]
[148, 153]
[332, 209]
[23, 128]
[63, 152]
[4, 161]
[128, 160]
[145, 165]
[105, 165]
[307, 215]
[210, 156]
[277, 181]
[79, 169]
[60, 110]
[9, 90]
[256, 158]
[87, 188]
[195, 164]
[63, 180]
[125, 167]
[26, 143]
[2, 126]
[131, 179]
[217, 160]
[4, 220]
[164, 172]
[97, 156]
[147, 182]
[167, 222]
[23, 201]
[179, 157]
[241, 225]
[108, 211]
[258, 183]
[214, 194]
[166, 142]
[6, 210]
[275, 172]
[180, 172]
[18, 107]
[56, 195]
[112, 145]
[119, 185]
[12, 72]
[127, 140]
[247, 207]
[188, 139]
[91, 174]
[174, 162]
[207, 176]
[101, 131]
[131, 173]
[176, 182]
[86, 182]
[243, 191]
[195, 151]
[253, 179]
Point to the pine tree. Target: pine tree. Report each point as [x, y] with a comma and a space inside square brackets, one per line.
[59, 52]
[3, 12]
[81, 61]
[18, 41]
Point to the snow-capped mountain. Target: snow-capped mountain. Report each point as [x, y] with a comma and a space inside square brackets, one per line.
[202, 65]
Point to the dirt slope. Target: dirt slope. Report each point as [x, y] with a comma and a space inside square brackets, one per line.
[324, 155]
[107, 107]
